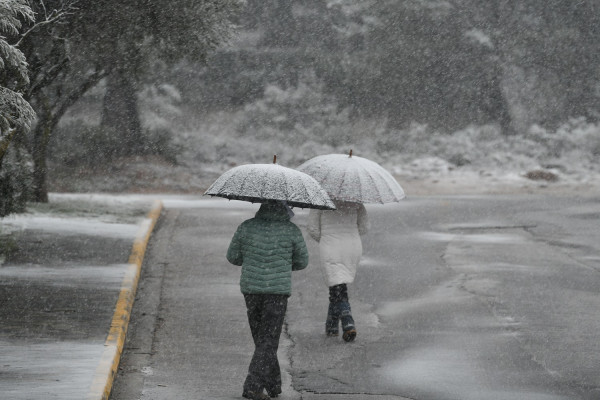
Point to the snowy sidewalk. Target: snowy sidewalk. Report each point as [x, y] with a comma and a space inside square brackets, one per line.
[66, 290]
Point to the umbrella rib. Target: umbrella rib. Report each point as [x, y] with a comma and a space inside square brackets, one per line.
[225, 185]
[340, 187]
[390, 185]
[350, 173]
[265, 187]
[324, 179]
[361, 190]
[342, 181]
[368, 173]
[242, 184]
[286, 193]
[308, 196]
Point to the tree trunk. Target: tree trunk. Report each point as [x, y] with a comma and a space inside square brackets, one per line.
[120, 111]
[49, 114]
[500, 107]
[41, 137]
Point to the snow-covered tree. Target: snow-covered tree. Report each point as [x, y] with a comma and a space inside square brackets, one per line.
[128, 43]
[445, 63]
[141, 39]
[15, 113]
[295, 115]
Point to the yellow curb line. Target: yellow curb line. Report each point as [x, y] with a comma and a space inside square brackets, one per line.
[113, 347]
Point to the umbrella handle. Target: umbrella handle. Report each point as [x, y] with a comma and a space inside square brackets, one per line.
[274, 158]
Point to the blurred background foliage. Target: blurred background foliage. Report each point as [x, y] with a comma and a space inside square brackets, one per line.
[213, 82]
[445, 63]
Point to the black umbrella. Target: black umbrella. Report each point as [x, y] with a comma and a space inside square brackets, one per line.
[261, 183]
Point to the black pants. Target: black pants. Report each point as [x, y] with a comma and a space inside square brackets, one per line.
[265, 315]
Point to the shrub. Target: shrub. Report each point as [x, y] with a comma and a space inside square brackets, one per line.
[296, 115]
[77, 144]
[15, 181]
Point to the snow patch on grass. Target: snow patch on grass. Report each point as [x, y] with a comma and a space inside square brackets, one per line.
[68, 226]
[82, 276]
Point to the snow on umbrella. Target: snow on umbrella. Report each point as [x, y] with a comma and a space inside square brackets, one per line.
[262, 183]
[355, 179]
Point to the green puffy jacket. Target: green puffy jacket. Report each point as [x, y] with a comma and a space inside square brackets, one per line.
[268, 247]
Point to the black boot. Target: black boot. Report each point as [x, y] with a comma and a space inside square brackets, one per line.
[333, 320]
[274, 391]
[248, 394]
[347, 321]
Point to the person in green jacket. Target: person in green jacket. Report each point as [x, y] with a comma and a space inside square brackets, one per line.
[268, 247]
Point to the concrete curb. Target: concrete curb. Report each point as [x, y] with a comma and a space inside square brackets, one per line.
[113, 347]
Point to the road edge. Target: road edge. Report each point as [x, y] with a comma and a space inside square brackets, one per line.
[113, 347]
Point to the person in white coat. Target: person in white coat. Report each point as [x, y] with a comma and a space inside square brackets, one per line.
[338, 233]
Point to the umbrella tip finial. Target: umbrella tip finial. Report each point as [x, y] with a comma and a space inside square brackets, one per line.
[350, 156]
[274, 158]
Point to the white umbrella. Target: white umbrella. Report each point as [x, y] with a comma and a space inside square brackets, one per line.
[262, 183]
[355, 179]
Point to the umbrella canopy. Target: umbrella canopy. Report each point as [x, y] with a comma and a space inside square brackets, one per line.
[261, 183]
[355, 179]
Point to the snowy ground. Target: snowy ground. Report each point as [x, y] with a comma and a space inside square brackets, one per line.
[62, 268]
[429, 176]
[474, 160]
[103, 217]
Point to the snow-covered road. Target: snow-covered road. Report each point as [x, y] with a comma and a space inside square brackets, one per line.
[458, 297]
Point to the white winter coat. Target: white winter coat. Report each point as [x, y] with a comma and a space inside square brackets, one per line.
[339, 242]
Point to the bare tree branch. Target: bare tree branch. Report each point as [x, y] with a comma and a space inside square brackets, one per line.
[54, 16]
[76, 94]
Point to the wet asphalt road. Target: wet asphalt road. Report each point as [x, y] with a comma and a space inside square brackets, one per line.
[475, 297]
